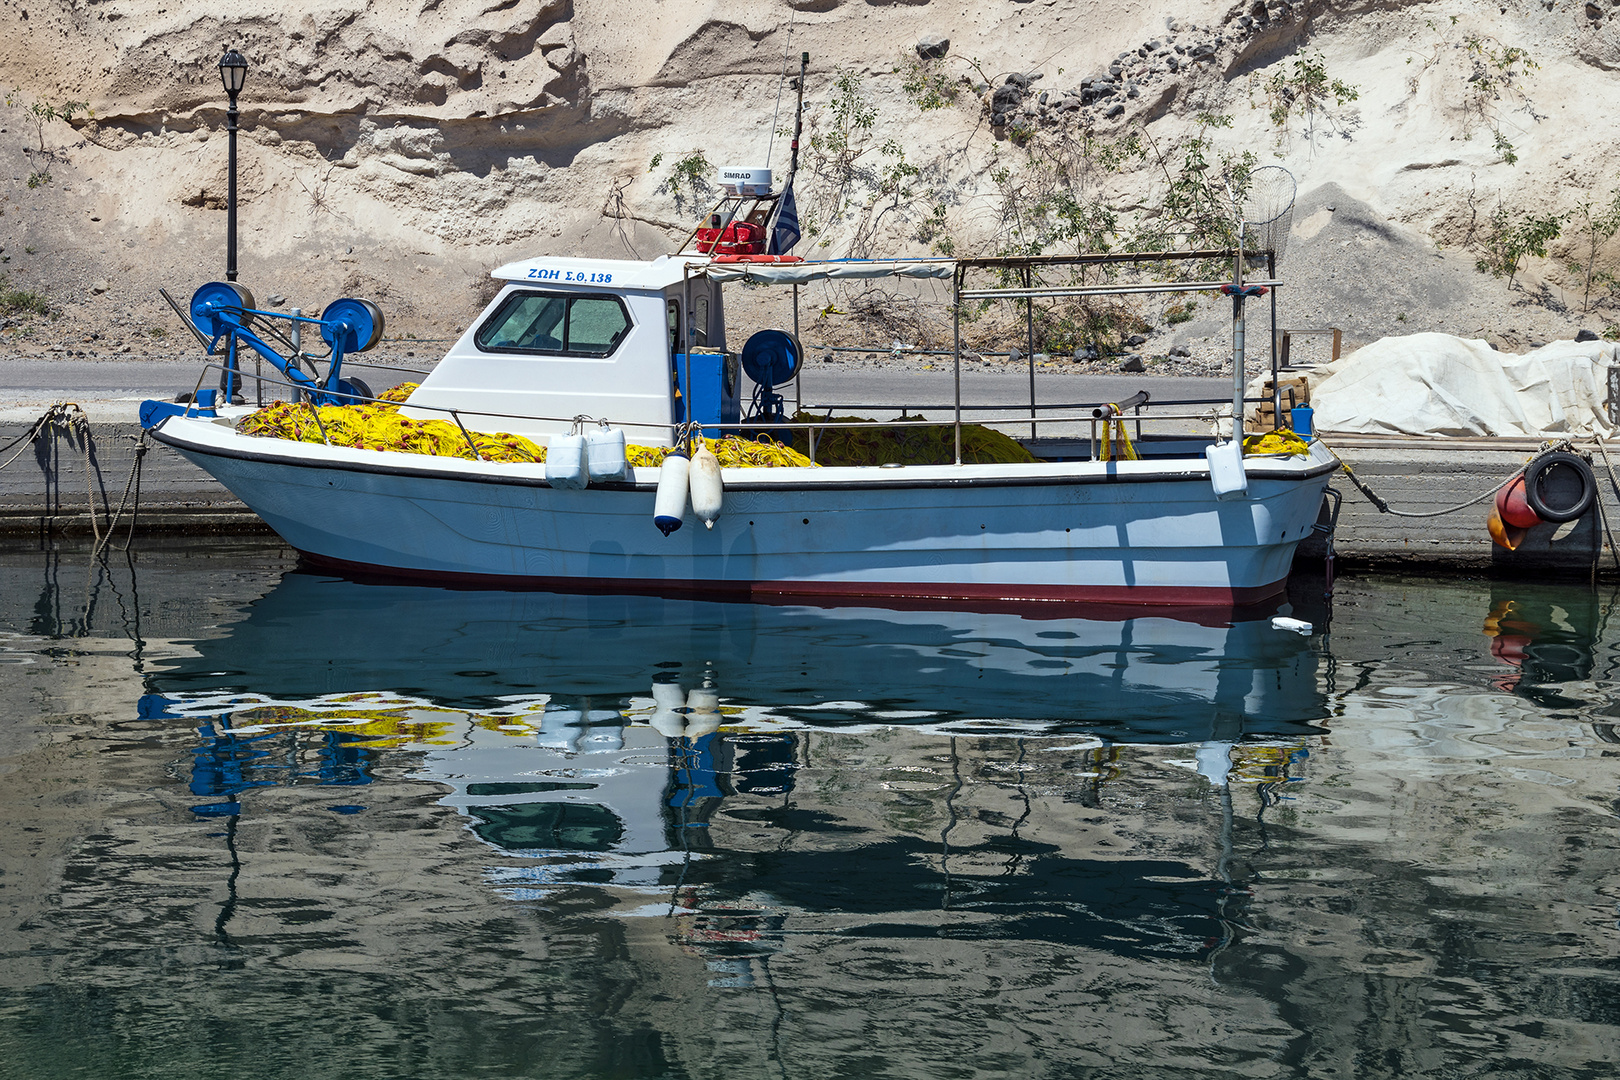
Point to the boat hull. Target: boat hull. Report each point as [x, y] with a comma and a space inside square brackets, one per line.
[1125, 533]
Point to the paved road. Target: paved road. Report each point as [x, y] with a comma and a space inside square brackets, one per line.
[110, 388]
[935, 389]
[932, 393]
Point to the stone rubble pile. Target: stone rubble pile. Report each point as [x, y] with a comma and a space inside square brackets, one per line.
[1017, 107]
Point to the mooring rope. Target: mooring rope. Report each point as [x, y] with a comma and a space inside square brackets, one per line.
[31, 434]
[1384, 507]
[66, 417]
[1602, 514]
[134, 482]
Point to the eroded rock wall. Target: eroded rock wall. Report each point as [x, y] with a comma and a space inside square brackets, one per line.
[404, 147]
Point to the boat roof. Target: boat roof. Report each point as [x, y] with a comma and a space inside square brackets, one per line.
[801, 273]
[660, 273]
[668, 270]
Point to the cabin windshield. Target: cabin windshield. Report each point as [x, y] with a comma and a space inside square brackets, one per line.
[553, 324]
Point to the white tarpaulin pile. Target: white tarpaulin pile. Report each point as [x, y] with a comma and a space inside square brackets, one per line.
[1436, 384]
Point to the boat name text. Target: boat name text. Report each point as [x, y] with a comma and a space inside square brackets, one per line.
[569, 275]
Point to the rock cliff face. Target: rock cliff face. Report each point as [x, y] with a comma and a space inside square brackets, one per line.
[403, 147]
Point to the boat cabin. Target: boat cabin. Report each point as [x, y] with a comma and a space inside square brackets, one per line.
[641, 344]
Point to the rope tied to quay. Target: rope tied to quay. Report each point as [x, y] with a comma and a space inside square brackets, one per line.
[65, 416]
[138, 455]
[1383, 505]
[68, 419]
[1548, 447]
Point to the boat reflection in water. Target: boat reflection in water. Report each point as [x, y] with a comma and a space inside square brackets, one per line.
[400, 831]
[612, 740]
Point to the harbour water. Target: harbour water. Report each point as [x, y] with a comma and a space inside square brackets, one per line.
[264, 822]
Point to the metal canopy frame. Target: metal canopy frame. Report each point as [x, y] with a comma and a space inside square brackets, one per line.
[1024, 269]
[1026, 265]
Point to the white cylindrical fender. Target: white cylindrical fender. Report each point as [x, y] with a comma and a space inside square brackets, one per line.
[668, 719]
[559, 729]
[565, 462]
[1214, 761]
[669, 507]
[707, 490]
[605, 455]
[704, 703]
[604, 732]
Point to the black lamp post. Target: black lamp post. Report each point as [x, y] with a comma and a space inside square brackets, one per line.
[233, 69]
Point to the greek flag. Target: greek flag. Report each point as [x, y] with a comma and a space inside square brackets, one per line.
[785, 225]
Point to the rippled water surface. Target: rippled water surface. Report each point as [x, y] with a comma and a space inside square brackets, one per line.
[261, 822]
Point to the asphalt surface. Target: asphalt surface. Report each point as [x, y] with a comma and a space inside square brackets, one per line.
[936, 389]
[109, 389]
[112, 390]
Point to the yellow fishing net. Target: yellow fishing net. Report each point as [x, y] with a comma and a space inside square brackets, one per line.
[915, 444]
[378, 426]
[1116, 441]
[1276, 442]
[734, 453]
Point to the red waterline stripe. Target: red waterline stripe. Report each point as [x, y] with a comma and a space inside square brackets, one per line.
[1204, 604]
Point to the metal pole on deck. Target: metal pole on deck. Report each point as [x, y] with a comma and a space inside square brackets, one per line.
[956, 350]
[1029, 326]
[1276, 372]
[793, 169]
[1237, 338]
[683, 372]
[798, 394]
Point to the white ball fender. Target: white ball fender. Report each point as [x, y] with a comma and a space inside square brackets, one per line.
[669, 507]
[707, 490]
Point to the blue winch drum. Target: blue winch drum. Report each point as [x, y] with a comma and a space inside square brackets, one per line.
[355, 324]
[771, 357]
[220, 305]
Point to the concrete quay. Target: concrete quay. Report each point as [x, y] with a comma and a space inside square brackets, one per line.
[44, 492]
[1426, 475]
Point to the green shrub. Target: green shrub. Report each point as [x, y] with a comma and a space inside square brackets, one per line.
[1510, 236]
[21, 301]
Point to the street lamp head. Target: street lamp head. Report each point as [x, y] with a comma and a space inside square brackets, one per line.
[233, 69]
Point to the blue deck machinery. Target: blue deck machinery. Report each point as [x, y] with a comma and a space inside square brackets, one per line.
[224, 312]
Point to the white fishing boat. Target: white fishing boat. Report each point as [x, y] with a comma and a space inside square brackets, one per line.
[568, 338]
[642, 347]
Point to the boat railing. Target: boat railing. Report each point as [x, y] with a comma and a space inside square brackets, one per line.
[1101, 414]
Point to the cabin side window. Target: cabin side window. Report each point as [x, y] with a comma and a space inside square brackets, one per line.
[556, 324]
[674, 310]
